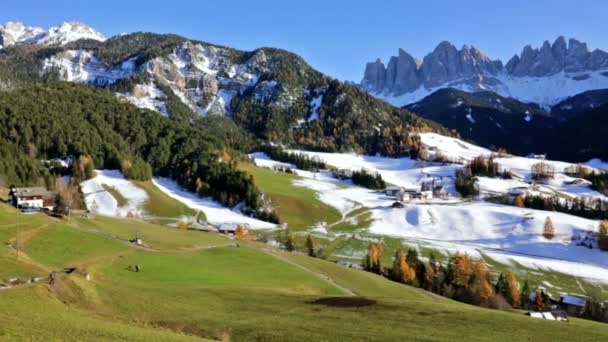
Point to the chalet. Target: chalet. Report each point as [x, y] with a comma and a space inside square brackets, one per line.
[37, 198]
[573, 304]
[350, 265]
[393, 191]
[440, 191]
[231, 228]
[343, 174]
[421, 195]
[537, 156]
[403, 197]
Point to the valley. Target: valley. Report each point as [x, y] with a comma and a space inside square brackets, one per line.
[159, 187]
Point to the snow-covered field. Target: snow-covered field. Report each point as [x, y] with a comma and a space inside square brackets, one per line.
[507, 234]
[215, 212]
[102, 202]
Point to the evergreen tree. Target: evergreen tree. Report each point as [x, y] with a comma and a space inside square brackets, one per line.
[501, 285]
[60, 207]
[290, 244]
[310, 246]
[525, 294]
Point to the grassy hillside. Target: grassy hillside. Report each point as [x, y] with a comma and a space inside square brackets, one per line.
[298, 206]
[189, 289]
[161, 205]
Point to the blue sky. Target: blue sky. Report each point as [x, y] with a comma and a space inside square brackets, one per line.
[337, 37]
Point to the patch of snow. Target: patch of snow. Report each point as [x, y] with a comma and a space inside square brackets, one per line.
[82, 66]
[470, 115]
[147, 96]
[215, 212]
[99, 200]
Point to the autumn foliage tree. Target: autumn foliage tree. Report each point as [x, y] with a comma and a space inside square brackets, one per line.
[402, 271]
[603, 236]
[83, 168]
[539, 301]
[482, 285]
[548, 229]
[68, 196]
[241, 233]
[519, 201]
[513, 294]
[373, 259]
[462, 270]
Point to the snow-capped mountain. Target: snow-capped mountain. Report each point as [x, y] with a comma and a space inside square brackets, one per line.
[14, 33]
[544, 76]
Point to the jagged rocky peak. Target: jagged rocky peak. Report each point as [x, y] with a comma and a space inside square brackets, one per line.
[550, 59]
[404, 73]
[70, 31]
[15, 33]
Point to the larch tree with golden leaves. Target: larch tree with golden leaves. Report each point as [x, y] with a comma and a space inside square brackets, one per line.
[603, 236]
[514, 295]
[373, 260]
[548, 229]
[462, 270]
[519, 201]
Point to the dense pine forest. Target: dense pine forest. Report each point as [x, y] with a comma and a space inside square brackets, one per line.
[55, 120]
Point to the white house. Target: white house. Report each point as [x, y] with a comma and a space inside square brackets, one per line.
[33, 198]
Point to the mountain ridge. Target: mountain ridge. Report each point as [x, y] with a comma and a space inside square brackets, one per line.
[17, 33]
[543, 75]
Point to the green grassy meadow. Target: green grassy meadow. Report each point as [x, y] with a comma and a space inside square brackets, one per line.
[191, 287]
[298, 206]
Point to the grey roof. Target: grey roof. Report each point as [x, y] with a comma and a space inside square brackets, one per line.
[573, 300]
[228, 227]
[31, 191]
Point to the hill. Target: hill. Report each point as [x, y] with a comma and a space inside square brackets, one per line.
[271, 93]
[163, 301]
[488, 119]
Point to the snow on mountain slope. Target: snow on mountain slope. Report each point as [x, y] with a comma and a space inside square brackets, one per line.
[147, 96]
[13, 33]
[215, 212]
[201, 75]
[399, 171]
[451, 147]
[82, 66]
[545, 91]
[102, 202]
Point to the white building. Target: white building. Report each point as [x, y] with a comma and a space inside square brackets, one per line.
[33, 198]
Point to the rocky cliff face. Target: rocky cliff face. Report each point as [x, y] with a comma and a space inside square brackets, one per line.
[573, 56]
[545, 75]
[446, 63]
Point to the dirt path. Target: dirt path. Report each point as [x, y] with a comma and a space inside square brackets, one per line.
[316, 274]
